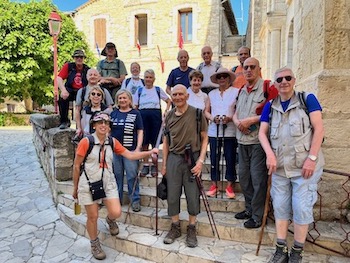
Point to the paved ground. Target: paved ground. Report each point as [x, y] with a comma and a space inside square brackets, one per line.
[30, 228]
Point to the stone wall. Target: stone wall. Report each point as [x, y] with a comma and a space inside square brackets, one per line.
[53, 146]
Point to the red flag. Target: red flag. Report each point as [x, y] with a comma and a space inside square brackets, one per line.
[181, 39]
[138, 47]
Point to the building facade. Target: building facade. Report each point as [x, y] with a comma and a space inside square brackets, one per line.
[313, 38]
[156, 25]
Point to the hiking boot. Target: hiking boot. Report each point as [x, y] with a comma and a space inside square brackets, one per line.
[63, 125]
[191, 239]
[281, 254]
[252, 223]
[212, 191]
[113, 227]
[136, 207]
[174, 233]
[296, 255]
[243, 215]
[145, 170]
[229, 192]
[96, 249]
[154, 171]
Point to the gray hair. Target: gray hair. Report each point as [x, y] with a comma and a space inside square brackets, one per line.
[283, 69]
[120, 92]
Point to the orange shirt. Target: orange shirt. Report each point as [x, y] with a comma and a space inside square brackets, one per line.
[240, 80]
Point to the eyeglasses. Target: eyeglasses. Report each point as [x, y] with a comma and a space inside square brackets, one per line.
[96, 94]
[252, 67]
[287, 78]
[220, 76]
[79, 57]
[103, 122]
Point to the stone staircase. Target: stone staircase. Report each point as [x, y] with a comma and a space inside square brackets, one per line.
[138, 237]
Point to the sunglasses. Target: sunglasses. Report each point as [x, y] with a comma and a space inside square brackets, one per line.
[220, 76]
[252, 67]
[102, 122]
[287, 78]
[79, 57]
[96, 94]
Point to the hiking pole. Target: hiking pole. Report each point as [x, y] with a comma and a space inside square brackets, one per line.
[217, 159]
[223, 153]
[191, 163]
[266, 210]
[155, 163]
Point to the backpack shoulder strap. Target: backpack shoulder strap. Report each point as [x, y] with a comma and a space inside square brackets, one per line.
[158, 91]
[111, 142]
[266, 87]
[217, 66]
[139, 92]
[127, 81]
[199, 113]
[234, 69]
[143, 82]
[302, 99]
[83, 92]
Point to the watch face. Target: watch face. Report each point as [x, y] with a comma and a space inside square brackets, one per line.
[312, 157]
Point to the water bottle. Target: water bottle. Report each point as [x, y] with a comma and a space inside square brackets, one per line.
[77, 207]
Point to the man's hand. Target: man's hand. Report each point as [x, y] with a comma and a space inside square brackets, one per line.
[197, 169]
[271, 163]
[308, 168]
[64, 94]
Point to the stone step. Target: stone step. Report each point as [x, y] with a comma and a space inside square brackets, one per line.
[228, 227]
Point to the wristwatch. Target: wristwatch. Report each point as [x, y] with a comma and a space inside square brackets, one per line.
[312, 157]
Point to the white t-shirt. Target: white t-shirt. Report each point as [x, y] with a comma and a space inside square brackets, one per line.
[222, 105]
[197, 100]
[149, 98]
[132, 86]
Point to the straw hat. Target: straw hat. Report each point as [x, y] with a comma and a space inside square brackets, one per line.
[223, 71]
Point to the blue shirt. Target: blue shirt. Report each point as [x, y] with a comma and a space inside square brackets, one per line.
[177, 76]
[125, 126]
[312, 104]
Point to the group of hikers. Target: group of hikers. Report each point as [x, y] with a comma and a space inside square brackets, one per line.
[265, 126]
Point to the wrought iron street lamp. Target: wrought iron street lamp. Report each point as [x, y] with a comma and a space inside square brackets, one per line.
[55, 27]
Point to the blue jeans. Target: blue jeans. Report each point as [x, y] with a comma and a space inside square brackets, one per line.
[121, 164]
[230, 148]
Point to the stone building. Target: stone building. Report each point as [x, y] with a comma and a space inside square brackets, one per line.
[311, 37]
[156, 26]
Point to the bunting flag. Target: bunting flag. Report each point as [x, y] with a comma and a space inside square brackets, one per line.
[138, 47]
[181, 39]
[160, 60]
[98, 50]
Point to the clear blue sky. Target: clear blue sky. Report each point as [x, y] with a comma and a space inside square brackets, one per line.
[237, 5]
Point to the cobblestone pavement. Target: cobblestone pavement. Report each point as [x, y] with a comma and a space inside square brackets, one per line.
[30, 228]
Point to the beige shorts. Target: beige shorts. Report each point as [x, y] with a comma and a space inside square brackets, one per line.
[109, 185]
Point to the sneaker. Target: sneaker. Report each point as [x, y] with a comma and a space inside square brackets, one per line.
[136, 207]
[63, 126]
[252, 223]
[281, 254]
[296, 255]
[145, 170]
[229, 192]
[113, 227]
[174, 233]
[212, 191]
[96, 249]
[191, 239]
[154, 172]
[243, 215]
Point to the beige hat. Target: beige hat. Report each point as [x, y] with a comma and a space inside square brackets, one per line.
[223, 71]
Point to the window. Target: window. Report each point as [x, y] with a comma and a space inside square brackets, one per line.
[185, 25]
[141, 29]
[100, 32]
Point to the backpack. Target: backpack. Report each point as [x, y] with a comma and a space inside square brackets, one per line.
[139, 92]
[270, 92]
[72, 70]
[201, 65]
[128, 80]
[92, 144]
[116, 61]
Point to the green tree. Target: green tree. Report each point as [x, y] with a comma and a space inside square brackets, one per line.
[26, 57]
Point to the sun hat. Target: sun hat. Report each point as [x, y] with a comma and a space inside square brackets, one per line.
[78, 53]
[223, 71]
[101, 116]
[109, 44]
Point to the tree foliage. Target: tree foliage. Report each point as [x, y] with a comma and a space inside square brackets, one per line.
[26, 50]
